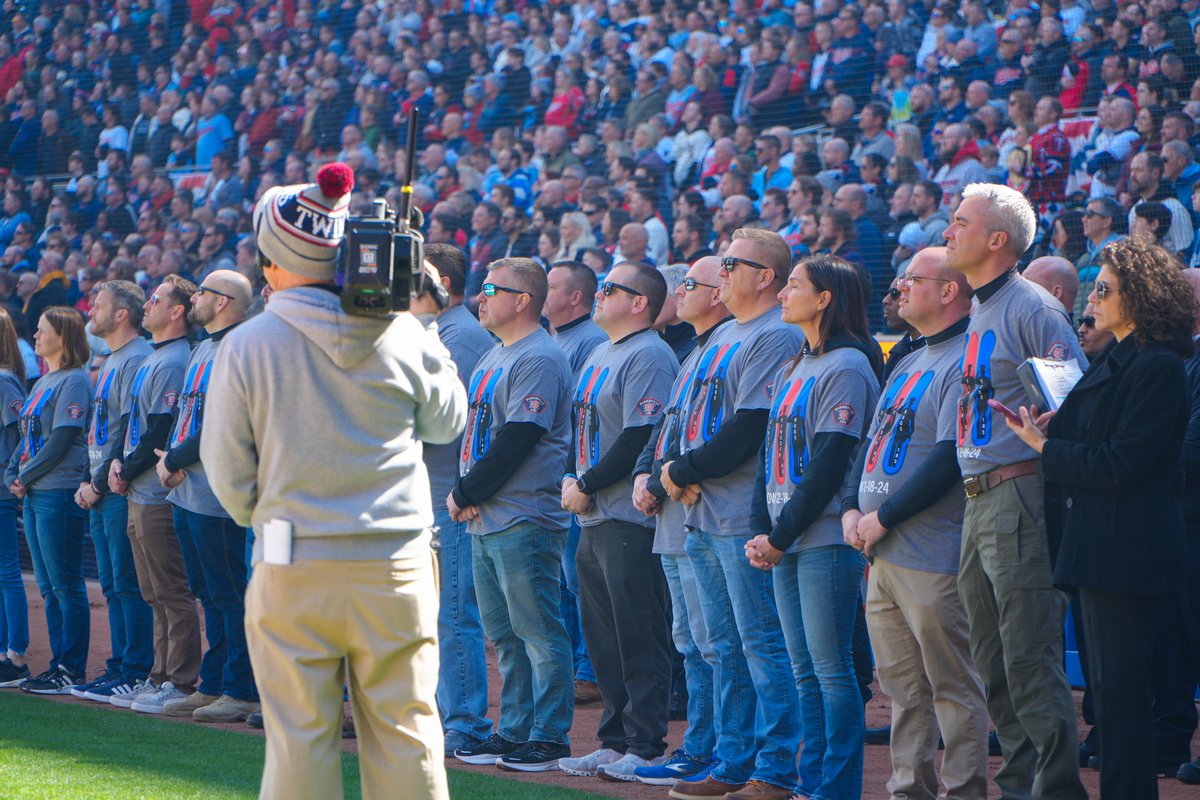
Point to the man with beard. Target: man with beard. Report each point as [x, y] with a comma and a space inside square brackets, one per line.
[1146, 184]
[960, 164]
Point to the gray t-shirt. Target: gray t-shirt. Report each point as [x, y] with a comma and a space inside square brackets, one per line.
[195, 494]
[578, 340]
[918, 409]
[528, 381]
[467, 342]
[830, 393]
[736, 372]
[157, 385]
[1020, 321]
[623, 385]
[12, 398]
[110, 403]
[59, 399]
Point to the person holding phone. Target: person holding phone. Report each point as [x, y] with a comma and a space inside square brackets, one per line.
[1113, 493]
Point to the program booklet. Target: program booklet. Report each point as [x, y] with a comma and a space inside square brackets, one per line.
[1048, 382]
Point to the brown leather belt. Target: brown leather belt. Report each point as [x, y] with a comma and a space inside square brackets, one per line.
[978, 484]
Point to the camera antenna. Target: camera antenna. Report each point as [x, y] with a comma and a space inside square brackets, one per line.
[410, 157]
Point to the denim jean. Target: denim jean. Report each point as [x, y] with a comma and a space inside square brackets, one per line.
[14, 608]
[54, 531]
[130, 620]
[817, 591]
[691, 640]
[462, 696]
[214, 551]
[571, 614]
[757, 714]
[516, 574]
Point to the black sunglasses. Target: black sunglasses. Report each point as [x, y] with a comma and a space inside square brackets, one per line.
[490, 289]
[1088, 322]
[690, 284]
[607, 287]
[1090, 213]
[1102, 290]
[728, 263]
[203, 290]
[893, 293]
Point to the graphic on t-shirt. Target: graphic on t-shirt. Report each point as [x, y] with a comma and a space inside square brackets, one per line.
[974, 416]
[787, 438]
[134, 434]
[195, 388]
[31, 423]
[587, 419]
[896, 415]
[479, 422]
[98, 435]
[708, 411]
[668, 434]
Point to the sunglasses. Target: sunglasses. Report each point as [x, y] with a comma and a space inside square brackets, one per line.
[690, 284]
[728, 263]
[490, 289]
[607, 287]
[893, 293]
[1102, 290]
[1088, 322]
[1089, 213]
[203, 290]
[909, 280]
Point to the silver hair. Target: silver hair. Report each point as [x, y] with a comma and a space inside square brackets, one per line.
[1010, 213]
[673, 274]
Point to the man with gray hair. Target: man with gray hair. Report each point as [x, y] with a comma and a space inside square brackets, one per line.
[1015, 612]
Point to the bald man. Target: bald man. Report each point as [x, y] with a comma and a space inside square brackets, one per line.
[214, 547]
[1057, 276]
[632, 242]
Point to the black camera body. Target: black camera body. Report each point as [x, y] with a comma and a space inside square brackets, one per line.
[381, 263]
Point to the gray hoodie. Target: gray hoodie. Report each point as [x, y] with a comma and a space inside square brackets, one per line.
[316, 417]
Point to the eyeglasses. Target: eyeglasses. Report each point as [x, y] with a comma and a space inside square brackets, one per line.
[909, 280]
[203, 290]
[154, 299]
[893, 293]
[1088, 322]
[1090, 213]
[728, 263]
[1009, 41]
[590, 211]
[1102, 290]
[490, 289]
[690, 284]
[607, 287]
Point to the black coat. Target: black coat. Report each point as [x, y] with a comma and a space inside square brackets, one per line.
[1113, 477]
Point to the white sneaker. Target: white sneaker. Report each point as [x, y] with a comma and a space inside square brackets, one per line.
[143, 687]
[622, 769]
[155, 702]
[586, 766]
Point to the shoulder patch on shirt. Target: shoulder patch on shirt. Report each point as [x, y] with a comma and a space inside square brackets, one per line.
[1058, 351]
[649, 406]
[534, 403]
[771, 390]
[170, 399]
[15, 407]
[74, 411]
[843, 414]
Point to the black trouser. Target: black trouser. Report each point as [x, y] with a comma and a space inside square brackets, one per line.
[1120, 634]
[1174, 680]
[625, 609]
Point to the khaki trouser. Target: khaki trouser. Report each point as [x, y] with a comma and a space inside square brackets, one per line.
[921, 641]
[1016, 618]
[163, 580]
[305, 624]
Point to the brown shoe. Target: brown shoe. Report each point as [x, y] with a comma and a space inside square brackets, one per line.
[703, 790]
[758, 790]
[586, 693]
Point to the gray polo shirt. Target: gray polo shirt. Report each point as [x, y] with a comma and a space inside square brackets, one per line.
[111, 401]
[578, 339]
[12, 398]
[59, 399]
[157, 385]
[195, 494]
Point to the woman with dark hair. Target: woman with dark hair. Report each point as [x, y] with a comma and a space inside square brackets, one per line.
[1066, 237]
[14, 609]
[1148, 123]
[823, 402]
[902, 169]
[1151, 221]
[1111, 457]
[46, 470]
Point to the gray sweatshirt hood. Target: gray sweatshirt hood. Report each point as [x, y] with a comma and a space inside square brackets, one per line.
[345, 338]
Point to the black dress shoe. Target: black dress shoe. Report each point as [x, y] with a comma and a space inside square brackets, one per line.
[1093, 762]
[994, 744]
[255, 720]
[1086, 751]
[1190, 773]
[878, 735]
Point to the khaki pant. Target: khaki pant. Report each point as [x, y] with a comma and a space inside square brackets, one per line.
[163, 580]
[305, 624]
[1016, 618]
[922, 651]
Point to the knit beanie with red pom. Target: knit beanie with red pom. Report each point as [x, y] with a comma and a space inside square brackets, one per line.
[299, 228]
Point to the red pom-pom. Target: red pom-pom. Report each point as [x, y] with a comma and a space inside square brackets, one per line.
[335, 180]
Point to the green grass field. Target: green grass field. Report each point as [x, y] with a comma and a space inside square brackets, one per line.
[83, 752]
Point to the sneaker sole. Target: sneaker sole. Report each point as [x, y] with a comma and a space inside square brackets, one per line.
[479, 760]
[545, 766]
[579, 773]
[608, 776]
[183, 714]
[659, 781]
[62, 691]
[81, 693]
[222, 720]
[14, 683]
[95, 698]
[121, 702]
[144, 709]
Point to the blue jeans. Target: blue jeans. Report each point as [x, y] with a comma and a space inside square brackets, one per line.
[817, 591]
[214, 551]
[462, 678]
[571, 614]
[757, 715]
[691, 640]
[517, 585]
[14, 609]
[130, 620]
[54, 531]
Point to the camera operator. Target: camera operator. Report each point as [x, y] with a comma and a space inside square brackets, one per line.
[344, 575]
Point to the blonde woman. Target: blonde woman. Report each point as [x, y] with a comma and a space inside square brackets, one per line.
[908, 143]
[575, 234]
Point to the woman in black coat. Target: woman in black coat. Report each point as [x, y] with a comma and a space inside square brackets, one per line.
[1111, 457]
